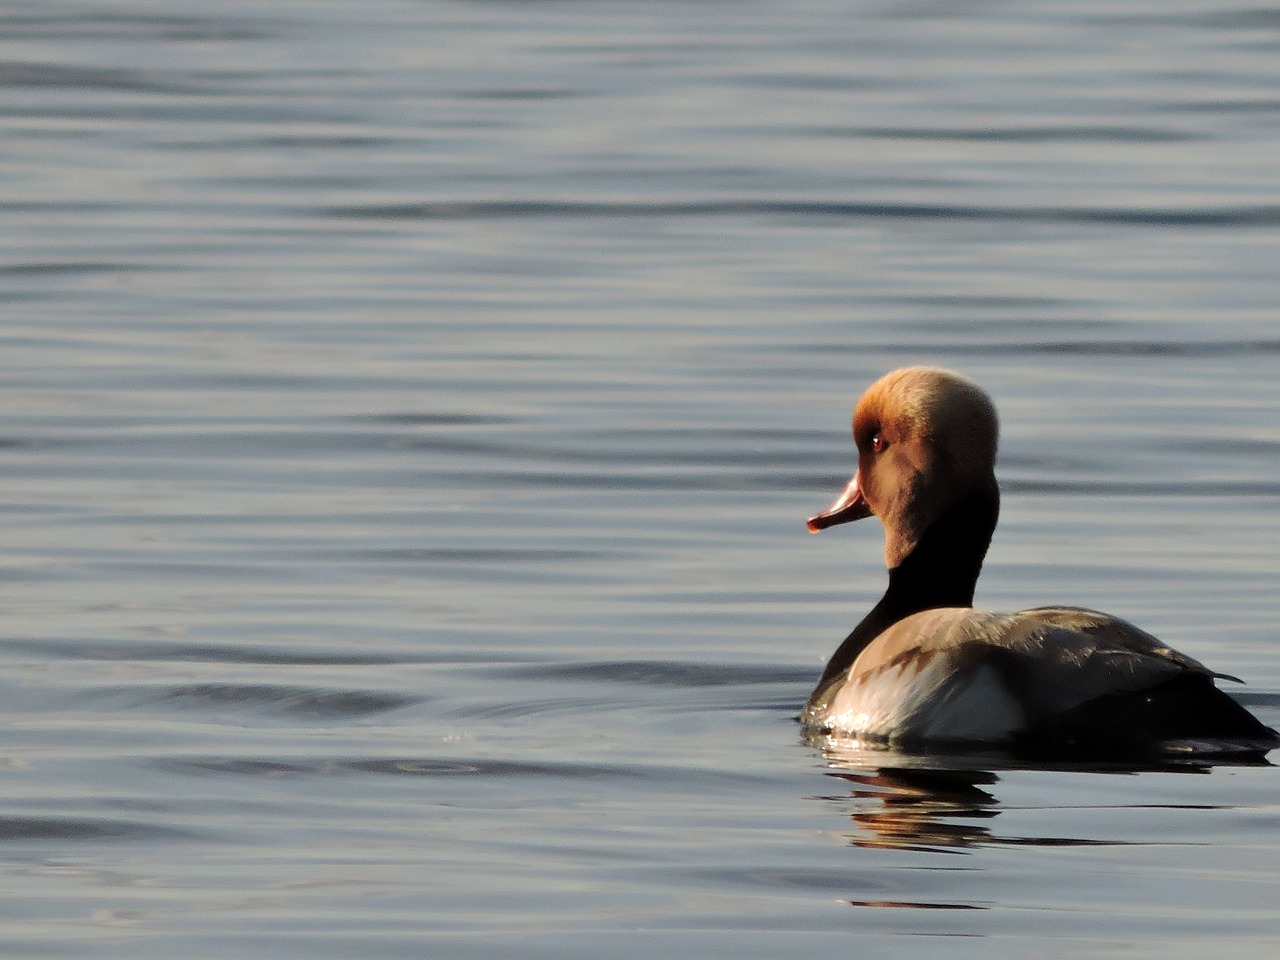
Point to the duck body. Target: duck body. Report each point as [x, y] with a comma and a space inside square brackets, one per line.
[1054, 679]
[925, 668]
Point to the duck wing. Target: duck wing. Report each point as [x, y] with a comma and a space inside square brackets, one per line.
[1060, 658]
[963, 674]
[1117, 634]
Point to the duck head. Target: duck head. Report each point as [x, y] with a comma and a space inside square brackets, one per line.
[926, 439]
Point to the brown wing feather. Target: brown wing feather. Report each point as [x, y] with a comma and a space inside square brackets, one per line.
[1052, 658]
[1119, 634]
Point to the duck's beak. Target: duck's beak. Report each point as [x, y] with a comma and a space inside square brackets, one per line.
[850, 505]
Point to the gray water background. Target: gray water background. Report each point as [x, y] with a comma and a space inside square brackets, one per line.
[408, 416]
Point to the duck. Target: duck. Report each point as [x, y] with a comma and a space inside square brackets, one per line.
[925, 669]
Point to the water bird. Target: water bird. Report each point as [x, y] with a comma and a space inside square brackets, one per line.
[924, 668]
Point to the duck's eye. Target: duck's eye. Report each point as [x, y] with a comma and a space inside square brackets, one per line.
[879, 443]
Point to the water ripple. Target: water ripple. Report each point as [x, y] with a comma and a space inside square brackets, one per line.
[18, 828]
[1046, 134]
[398, 767]
[1192, 349]
[1256, 215]
[664, 673]
[48, 75]
[80, 23]
[447, 768]
[290, 700]
[246, 654]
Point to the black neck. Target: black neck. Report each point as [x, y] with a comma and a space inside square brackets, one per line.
[942, 571]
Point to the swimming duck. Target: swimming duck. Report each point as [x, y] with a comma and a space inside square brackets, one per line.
[924, 667]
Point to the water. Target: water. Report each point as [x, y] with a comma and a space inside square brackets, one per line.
[409, 416]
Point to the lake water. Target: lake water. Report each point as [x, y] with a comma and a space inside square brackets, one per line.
[410, 412]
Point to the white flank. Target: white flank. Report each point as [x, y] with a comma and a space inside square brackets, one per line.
[927, 701]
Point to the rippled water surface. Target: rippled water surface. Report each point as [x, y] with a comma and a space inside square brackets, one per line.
[410, 410]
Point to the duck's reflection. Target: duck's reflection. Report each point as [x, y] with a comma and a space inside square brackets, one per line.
[919, 809]
[946, 802]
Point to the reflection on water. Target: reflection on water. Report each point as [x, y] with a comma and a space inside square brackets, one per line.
[945, 802]
[920, 809]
